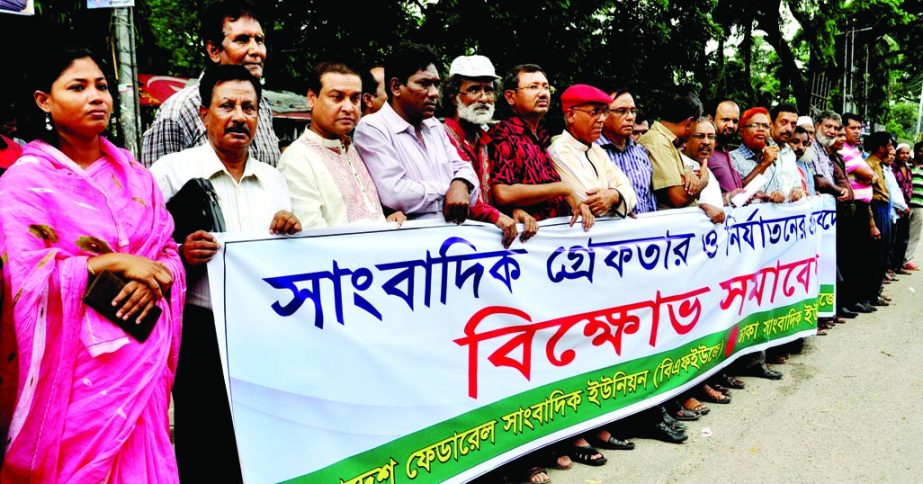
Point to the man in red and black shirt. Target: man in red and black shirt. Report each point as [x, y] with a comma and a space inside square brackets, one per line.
[468, 97]
[523, 174]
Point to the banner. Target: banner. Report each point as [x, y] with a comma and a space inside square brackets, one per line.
[110, 3]
[430, 353]
[18, 7]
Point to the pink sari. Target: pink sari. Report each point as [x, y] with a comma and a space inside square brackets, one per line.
[80, 401]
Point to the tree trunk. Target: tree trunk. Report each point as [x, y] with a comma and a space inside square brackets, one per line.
[769, 20]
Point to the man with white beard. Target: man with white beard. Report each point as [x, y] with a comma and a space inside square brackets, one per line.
[468, 97]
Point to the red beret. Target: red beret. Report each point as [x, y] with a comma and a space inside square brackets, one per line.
[583, 94]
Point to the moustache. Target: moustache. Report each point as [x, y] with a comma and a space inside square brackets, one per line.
[238, 128]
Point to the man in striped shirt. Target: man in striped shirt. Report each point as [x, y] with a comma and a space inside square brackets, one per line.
[232, 34]
[625, 152]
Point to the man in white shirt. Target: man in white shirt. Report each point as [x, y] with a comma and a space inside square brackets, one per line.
[696, 153]
[584, 165]
[253, 197]
[328, 181]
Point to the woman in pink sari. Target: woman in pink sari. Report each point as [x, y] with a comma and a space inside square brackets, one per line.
[82, 401]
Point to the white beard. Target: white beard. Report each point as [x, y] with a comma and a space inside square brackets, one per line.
[824, 141]
[476, 113]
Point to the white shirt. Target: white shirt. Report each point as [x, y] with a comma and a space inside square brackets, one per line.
[329, 183]
[248, 205]
[585, 167]
[711, 195]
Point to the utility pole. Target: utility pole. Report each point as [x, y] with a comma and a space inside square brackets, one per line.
[845, 61]
[919, 115]
[127, 78]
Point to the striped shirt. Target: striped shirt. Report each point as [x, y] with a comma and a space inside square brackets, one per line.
[916, 201]
[248, 205]
[178, 127]
[852, 158]
[634, 162]
[822, 165]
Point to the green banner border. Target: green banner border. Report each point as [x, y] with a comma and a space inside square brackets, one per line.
[475, 437]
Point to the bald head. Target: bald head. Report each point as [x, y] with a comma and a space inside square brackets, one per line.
[727, 118]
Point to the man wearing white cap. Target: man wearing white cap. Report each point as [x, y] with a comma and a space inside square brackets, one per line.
[808, 124]
[468, 98]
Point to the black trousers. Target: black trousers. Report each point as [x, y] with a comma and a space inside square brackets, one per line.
[901, 240]
[206, 450]
[846, 244]
[882, 215]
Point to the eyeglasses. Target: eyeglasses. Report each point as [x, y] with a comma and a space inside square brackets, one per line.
[639, 132]
[477, 90]
[624, 111]
[536, 88]
[762, 126]
[701, 136]
[594, 112]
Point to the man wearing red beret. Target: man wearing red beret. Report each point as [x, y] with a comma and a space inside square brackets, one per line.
[584, 165]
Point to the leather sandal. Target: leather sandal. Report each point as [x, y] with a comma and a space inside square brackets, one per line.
[731, 381]
[611, 444]
[679, 413]
[711, 395]
[532, 476]
[584, 455]
[721, 388]
[693, 405]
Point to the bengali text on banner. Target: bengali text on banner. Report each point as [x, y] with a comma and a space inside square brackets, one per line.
[431, 353]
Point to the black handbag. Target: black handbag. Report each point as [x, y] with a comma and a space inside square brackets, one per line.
[100, 293]
[195, 207]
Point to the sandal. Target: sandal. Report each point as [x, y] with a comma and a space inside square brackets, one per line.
[679, 413]
[534, 473]
[611, 444]
[711, 395]
[584, 455]
[721, 388]
[696, 406]
[731, 381]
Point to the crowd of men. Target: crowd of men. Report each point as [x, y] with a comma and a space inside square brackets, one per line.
[376, 152]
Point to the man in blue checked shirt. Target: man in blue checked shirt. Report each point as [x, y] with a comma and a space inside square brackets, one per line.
[625, 152]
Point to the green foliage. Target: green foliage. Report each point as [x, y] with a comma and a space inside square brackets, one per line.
[754, 52]
[903, 120]
[168, 33]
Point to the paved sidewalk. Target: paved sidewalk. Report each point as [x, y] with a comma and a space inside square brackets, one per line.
[848, 410]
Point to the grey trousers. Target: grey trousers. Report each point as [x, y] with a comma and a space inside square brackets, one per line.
[916, 224]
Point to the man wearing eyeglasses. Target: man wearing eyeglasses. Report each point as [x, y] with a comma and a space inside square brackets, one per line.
[618, 142]
[581, 163]
[765, 151]
[468, 98]
[696, 152]
[523, 174]
[673, 184]
[415, 167]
